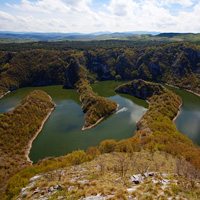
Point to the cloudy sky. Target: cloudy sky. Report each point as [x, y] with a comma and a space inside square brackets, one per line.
[88, 16]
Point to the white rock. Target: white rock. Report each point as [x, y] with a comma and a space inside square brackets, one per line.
[95, 198]
[83, 181]
[154, 181]
[133, 188]
[51, 189]
[34, 178]
[60, 197]
[136, 178]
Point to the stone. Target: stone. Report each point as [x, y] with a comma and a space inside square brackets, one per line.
[58, 186]
[95, 198]
[130, 190]
[24, 193]
[72, 188]
[33, 179]
[60, 197]
[146, 175]
[151, 173]
[43, 192]
[36, 191]
[136, 178]
[83, 181]
[51, 189]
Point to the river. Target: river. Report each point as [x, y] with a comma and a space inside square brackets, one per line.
[62, 133]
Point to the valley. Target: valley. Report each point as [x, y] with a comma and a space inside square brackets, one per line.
[94, 90]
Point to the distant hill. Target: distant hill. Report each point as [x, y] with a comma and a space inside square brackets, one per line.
[144, 36]
[170, 35]
[68, 36]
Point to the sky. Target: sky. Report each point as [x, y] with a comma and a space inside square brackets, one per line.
[87, 16]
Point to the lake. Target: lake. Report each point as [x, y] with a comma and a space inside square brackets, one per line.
[62, 133]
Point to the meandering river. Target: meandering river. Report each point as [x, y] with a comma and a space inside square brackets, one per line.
[62, 133]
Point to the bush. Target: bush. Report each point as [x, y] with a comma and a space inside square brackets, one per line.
[124, 146]
[92, 152]
[14, 186]
[107, 146]
[76, 157]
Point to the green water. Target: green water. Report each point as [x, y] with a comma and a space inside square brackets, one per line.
[62, 133]
[188, 121]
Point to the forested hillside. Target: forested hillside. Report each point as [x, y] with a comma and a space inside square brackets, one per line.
[17, 128]
[173, 63]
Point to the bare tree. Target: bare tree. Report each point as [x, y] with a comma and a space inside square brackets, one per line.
[122, 163]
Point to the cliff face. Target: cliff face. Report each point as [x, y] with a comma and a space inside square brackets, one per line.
[72, 75]
[140, 89]
[176, 64]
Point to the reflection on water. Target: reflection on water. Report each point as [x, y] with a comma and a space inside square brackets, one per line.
[124, 109]
[62, 133]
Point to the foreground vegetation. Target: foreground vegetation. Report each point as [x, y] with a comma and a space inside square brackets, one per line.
[17, 128]
[108, 175]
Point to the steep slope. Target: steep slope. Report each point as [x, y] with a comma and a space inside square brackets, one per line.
[17, 130]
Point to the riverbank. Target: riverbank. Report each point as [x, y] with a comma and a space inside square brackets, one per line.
[179, 108]
[4, 94]
[182, 89]
[29, 146]
[89, 127]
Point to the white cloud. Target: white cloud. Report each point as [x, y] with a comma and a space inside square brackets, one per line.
[170, 2]
[121, 7]
[44, 6]
[5, 16]
[119, 15]
[49, 6]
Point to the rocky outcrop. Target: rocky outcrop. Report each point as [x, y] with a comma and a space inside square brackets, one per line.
[163, 106]
[72, 75]
[140, 89]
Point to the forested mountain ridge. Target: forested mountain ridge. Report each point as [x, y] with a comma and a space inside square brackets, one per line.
[173, 63]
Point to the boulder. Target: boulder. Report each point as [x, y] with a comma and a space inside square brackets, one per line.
[136, 178]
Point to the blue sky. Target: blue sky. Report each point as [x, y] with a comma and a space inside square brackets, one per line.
[88, 16]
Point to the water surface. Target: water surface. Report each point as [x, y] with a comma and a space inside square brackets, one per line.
[188, 121]
[62, 133]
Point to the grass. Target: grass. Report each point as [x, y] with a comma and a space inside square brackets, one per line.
[77, 181]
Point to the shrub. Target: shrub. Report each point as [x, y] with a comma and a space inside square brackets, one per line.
[92, 152]
[124, 146]
[76, 157]
[107, 146]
